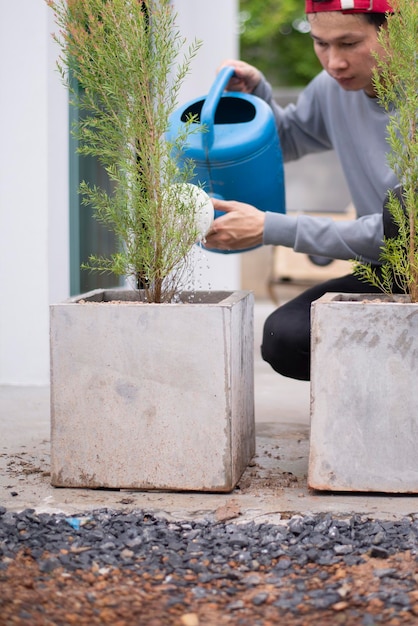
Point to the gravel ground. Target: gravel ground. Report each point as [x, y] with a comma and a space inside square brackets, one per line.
[132, 568]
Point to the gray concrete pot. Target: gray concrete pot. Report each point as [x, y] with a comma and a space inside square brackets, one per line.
[364, 401]
[152, 396]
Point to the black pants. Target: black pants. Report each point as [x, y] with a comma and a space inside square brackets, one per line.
[287, 331]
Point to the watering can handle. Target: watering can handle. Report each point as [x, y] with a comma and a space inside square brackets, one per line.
[207, 116]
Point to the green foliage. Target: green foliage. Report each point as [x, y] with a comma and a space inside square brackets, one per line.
[275, 38]
[124, 53]
[396, 84]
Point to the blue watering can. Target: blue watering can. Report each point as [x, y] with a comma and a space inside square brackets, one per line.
[238, 155]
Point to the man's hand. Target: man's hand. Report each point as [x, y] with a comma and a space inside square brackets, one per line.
[241, 227]
[245, 78]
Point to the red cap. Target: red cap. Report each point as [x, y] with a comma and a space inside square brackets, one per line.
[348, 6]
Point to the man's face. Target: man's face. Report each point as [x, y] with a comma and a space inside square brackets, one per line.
[344, 44]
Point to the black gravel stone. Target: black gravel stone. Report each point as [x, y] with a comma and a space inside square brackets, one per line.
[49, 565]
[379, 553]
[325, 600]
[260, 598]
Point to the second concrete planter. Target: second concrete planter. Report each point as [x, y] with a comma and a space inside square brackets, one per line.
[364, 405]
[152, 396]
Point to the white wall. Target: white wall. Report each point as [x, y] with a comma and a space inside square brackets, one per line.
[214, 23]
[30, 180]
[58, 179]
[34, 233]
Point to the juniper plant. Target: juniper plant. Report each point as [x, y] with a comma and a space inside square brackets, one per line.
[396, 84]
[124, 55]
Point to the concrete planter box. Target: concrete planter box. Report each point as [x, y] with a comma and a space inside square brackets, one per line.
[152, 396]
[364, 405]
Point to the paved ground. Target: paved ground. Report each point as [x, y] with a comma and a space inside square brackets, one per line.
[272, 487]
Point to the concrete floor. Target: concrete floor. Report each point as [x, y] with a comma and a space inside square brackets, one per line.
[273, 487]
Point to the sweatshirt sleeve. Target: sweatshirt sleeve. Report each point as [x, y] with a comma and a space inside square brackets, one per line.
[360, 239]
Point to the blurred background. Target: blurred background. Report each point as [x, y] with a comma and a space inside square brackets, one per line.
[274, 36]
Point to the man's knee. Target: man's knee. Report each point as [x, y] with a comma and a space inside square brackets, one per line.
[271, 349]
[286, 346]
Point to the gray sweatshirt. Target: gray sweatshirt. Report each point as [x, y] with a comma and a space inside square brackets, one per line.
[327, 117]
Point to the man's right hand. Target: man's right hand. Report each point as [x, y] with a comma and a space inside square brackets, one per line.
[245, 78]
[241, 226]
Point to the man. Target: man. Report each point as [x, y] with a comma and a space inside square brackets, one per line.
[337, 110]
